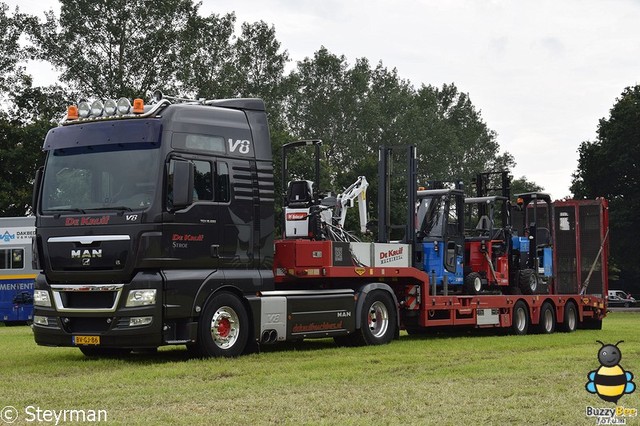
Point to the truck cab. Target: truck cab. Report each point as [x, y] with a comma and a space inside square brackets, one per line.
[143, 213]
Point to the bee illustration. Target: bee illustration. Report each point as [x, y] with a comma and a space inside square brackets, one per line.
[610, 381]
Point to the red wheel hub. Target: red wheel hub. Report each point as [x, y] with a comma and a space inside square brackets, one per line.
[224, 327]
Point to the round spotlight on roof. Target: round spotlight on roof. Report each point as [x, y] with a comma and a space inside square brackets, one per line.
[124, 106]
[84, 109]
[97, 107]
[157, 96]
[110, 107]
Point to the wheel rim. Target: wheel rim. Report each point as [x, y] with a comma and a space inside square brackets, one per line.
[521, 319]
[378, 319]
[533, 283]
[548, 320]
[477, 284]
[225, 327]
[571, 320]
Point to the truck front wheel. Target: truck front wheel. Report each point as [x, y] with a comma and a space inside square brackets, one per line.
[223, 329]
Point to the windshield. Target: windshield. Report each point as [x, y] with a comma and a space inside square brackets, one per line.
[116, 176]
[431, 218]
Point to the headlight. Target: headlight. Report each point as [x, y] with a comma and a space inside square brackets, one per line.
[41, 298]
[141, 297]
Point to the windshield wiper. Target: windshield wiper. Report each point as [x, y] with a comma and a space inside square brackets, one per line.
[64, 210]
[118, 208]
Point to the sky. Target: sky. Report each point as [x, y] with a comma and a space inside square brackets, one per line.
[542, 73]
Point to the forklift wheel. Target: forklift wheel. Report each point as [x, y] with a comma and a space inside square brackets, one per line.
[472, 283]
[528, 281]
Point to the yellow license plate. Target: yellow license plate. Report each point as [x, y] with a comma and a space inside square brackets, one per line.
[86, 340]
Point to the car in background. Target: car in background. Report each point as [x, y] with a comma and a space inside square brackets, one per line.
[616, 301]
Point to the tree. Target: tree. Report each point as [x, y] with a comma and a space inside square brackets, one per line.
[116, 48]
[12, 54]
[610, 167]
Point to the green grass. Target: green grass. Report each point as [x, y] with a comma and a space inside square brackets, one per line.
[462, 378]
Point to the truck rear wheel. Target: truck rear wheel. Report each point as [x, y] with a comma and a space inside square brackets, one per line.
[378, 320]
[528, 281]
[520, 319]
[547, 324]
[223, 329]
[570, 320]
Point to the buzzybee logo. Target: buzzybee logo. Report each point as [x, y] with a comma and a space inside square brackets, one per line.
[610, 381]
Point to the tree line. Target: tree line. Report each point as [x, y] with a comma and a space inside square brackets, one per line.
[129, 48]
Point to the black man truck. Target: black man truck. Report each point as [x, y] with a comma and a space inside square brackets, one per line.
[155, 226]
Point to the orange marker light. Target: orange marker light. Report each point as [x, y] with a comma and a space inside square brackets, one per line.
[72, 112]
[138, 106]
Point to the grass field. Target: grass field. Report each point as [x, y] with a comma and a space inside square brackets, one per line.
[457, 379]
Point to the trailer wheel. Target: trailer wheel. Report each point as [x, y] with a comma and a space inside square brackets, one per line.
[547, 324]
[592, 324]
[520, 320]
[570, 320]
[528, 281]
[472, 283]
[378, 325]
[223, 329]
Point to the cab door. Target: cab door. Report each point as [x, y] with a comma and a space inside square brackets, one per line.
[192, 233]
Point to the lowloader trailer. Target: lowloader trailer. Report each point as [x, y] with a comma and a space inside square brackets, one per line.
[155, 226]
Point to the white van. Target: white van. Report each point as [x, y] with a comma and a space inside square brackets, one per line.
[619, 293]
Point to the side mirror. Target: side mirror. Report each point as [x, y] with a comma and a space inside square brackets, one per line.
[37, 183]
[183, 173]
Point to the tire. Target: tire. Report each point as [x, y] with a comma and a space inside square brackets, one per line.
[416, 331]
[547, 323]
[472, 283]
[627, 304]
[92, 351]
[345, 341]
[378, 321]
[520, 319]
[528, 281]
[592, 324]
[223, 329]
[570, 319]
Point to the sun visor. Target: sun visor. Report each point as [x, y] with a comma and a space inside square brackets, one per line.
[103, 133]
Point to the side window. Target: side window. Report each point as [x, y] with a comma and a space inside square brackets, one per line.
[222, 193]
[196, 142]
[202, 181]
[11, 258]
